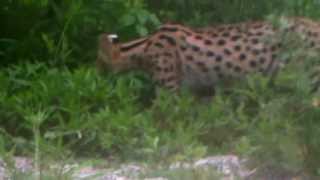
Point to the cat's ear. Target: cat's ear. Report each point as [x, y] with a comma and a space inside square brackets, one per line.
[106, 41]
[113, 38]
[109, 46]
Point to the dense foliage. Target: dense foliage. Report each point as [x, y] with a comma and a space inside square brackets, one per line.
[52, 100]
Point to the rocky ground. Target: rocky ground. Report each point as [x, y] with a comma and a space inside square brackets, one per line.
[228, 167]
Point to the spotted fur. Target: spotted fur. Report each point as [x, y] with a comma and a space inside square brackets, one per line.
[200, 58]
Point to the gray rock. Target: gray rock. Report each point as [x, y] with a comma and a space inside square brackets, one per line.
[229, 166]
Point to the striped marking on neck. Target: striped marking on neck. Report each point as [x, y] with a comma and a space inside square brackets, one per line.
[175, 28]
[133, 44]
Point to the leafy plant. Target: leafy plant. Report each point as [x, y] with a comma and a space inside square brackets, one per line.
[47, 48]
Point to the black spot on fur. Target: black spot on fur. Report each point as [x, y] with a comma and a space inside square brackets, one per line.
[158, 68]
[218, 58]
[253, 64]
[166, 70]
[170, 79]
[256, 52]
[264, 50]
[227, 52]
[217, 68]
[226, 34]
[220, 29]
[221, 42]
[210, 53]
[242, 57]
[208, 42]
[169, 39]
[183, 48]
[235, 38]
[213, 35]
[273, 48]
[195, 48]
[202, 66]
[254, 41]
[198, 37]
[259, 33]
[167, 54]
[189, 58]
[229, 65]
[262, 60]
[237, 69]
[159, 45]
[237, 47]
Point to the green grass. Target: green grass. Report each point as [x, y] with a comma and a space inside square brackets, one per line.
[56, 114]
[61, 114]
[55, 106]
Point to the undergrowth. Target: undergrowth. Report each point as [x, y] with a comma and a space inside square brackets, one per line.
[54, 105]
[63, 113]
